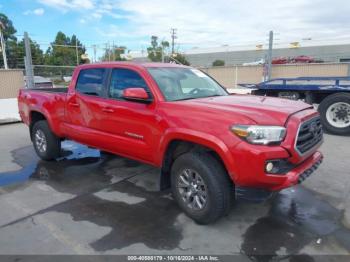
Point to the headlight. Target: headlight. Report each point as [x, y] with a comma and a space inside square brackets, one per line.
[263, 135]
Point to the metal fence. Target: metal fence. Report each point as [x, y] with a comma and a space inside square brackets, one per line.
[59, 75]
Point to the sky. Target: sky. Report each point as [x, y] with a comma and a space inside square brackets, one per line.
[199, 23]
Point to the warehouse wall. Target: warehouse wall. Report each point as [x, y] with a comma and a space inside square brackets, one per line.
[10, 83]
[327, 53]
[230, 76]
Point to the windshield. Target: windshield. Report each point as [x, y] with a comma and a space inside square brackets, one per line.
[185, 83]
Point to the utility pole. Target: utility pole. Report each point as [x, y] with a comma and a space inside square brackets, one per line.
[3, 46]
[76, 49]
[269, 56]
[106, 53]
[109, 51]
[94, 46]
[173, 37]
[28, 62]
[113, 52]
[163, 47]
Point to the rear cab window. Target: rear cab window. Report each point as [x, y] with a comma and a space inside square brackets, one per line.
[91, 81]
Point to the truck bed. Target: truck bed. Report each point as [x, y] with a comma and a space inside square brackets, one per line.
[51, 100]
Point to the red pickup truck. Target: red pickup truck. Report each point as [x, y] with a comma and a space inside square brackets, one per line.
[210, 146]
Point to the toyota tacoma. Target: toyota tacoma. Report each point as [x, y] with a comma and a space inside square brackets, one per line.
[211, 147]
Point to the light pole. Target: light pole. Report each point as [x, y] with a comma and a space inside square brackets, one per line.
[3, 47]
[28, 62]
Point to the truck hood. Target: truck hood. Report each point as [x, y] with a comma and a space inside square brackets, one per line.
[262, 110]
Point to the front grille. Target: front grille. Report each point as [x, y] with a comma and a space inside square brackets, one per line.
[309, 135]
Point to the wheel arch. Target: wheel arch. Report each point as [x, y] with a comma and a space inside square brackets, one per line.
[176, 145]
[34, 117]
[37, 115]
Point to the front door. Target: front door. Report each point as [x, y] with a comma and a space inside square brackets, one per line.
[132, 126]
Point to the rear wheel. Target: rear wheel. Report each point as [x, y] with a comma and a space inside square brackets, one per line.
[46, 144]
[335, 113]
[201, 187]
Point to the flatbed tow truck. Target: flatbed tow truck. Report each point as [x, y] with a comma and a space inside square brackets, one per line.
[332, 94]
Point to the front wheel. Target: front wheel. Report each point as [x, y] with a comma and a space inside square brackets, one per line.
[46, 144]
[201, 186]
[335, 113]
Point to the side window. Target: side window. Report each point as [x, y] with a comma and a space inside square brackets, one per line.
[124, 78]
[90, 81]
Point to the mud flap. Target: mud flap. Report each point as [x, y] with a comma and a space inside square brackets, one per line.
[164, 180]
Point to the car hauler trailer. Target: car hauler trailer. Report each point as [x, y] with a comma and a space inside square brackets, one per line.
[332, 94]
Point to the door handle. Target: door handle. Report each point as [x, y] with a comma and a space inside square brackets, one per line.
[107, 110]
[73, 104]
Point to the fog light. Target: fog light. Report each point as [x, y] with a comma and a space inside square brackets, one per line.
[278, 166]
[269, 167]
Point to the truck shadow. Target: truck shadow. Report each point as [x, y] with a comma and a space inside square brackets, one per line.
[134, 213]
[149, 220]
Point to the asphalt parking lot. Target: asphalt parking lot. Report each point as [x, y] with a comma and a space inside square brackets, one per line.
[92, 203]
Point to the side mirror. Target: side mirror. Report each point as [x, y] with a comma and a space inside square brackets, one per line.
[136, 94]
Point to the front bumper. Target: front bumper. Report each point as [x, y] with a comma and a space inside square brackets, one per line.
[250, 162]
[248, 168]
[291, 178]
[300, 172]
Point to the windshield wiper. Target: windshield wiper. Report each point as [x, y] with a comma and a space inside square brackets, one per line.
[188, 98]
[214, 95]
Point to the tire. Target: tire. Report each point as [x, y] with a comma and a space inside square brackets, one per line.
[218, 186]
[41, 134]
[328, 108]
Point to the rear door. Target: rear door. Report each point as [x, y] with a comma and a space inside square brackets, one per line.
[84, 105]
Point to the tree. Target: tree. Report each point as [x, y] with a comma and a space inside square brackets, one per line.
[181, 59]
[156, 50]
[15, 56]
[114, 54]
[81, 48]
[219, 62]
[37, 53]
[63, 51]
[9, 32]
